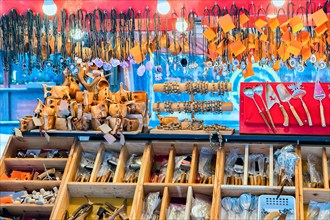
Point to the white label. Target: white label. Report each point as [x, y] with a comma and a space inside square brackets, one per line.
[36, 121]
[88, 116]
[122, 139]
[109, 138]
[105, 128]
[90, 75]
[18, 133]
[64, 105]
[65, 112]
[47, 137]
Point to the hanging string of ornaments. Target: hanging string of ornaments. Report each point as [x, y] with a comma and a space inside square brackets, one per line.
[233, 38]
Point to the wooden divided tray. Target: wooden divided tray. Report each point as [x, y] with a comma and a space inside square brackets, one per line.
[72, 193]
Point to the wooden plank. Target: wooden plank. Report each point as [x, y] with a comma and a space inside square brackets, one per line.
[18, 185]
[120, 171]
[61, 203]
[271, 165]
[233, 190]
[102, 190]
[165, 203]
[194, 165]
[147, 164]
[136, 211]
[188, 203]
[171, 165]
[75, 163]
[325, 168]
[299, 185]
[246, 165]
[178, 132]
[53, 131]
[318, 195]
[219, 178]
[35, 163]
[28, 208]
[97, 163]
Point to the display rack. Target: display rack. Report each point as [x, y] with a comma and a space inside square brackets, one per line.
[71, 193]
[191, 89]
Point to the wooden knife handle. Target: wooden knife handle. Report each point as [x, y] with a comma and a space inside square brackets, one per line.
[264, 118]
[293, 110]
[285, 115]
[271, 120]
[309, 118]
[322, 115]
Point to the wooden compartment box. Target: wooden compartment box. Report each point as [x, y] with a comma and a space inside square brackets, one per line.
[114, 192]
[9, 162]
[309, 192]
[232, 190]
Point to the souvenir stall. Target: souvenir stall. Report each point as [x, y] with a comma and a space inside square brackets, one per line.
[165, 109]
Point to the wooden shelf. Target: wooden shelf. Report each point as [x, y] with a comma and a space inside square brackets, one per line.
[102, 190]
[233, 190]
[18, 185]
[316, 194]
[19, 209]
[26, 163]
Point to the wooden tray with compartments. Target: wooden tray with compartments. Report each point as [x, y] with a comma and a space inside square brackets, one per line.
[9, 162]
[71, 193]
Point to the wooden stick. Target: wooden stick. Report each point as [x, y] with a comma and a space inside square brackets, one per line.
[213, 178]
[251, 179]
[183, 178]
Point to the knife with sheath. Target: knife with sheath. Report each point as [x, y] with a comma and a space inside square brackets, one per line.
[272, 99]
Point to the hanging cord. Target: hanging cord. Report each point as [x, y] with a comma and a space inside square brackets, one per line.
[55, 33]
[6, 55]
[72, 28]
[46, 21]
[63, 33]
[146, 16]
[192, 37]
[216, 12]
[122, 22]
[157, 25]
[131, 25]
[234, 13]
[290, 10]
[39, 46]
[205, 43]
[99, 33]
[113, 19]
[30, 19]
[14, 41]
[139, 17]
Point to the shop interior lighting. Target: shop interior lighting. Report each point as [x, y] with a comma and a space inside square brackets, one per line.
[49, 7]
[163, 7]
[278, 3]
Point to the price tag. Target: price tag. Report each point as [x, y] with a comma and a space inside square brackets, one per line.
[65, 112]
[18, 133]
[105, 128]
[36, 121]
[109, 138]
[47, 137]
[89, 117]
[122, 139]
[64, 105]
[90, 75]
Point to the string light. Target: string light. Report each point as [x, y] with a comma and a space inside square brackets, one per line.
[278, 3]
[163, 7]
[49, 7]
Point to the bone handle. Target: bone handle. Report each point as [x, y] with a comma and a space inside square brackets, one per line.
[310, 122]
[285, 115]
[322, 114]
[293, 110]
